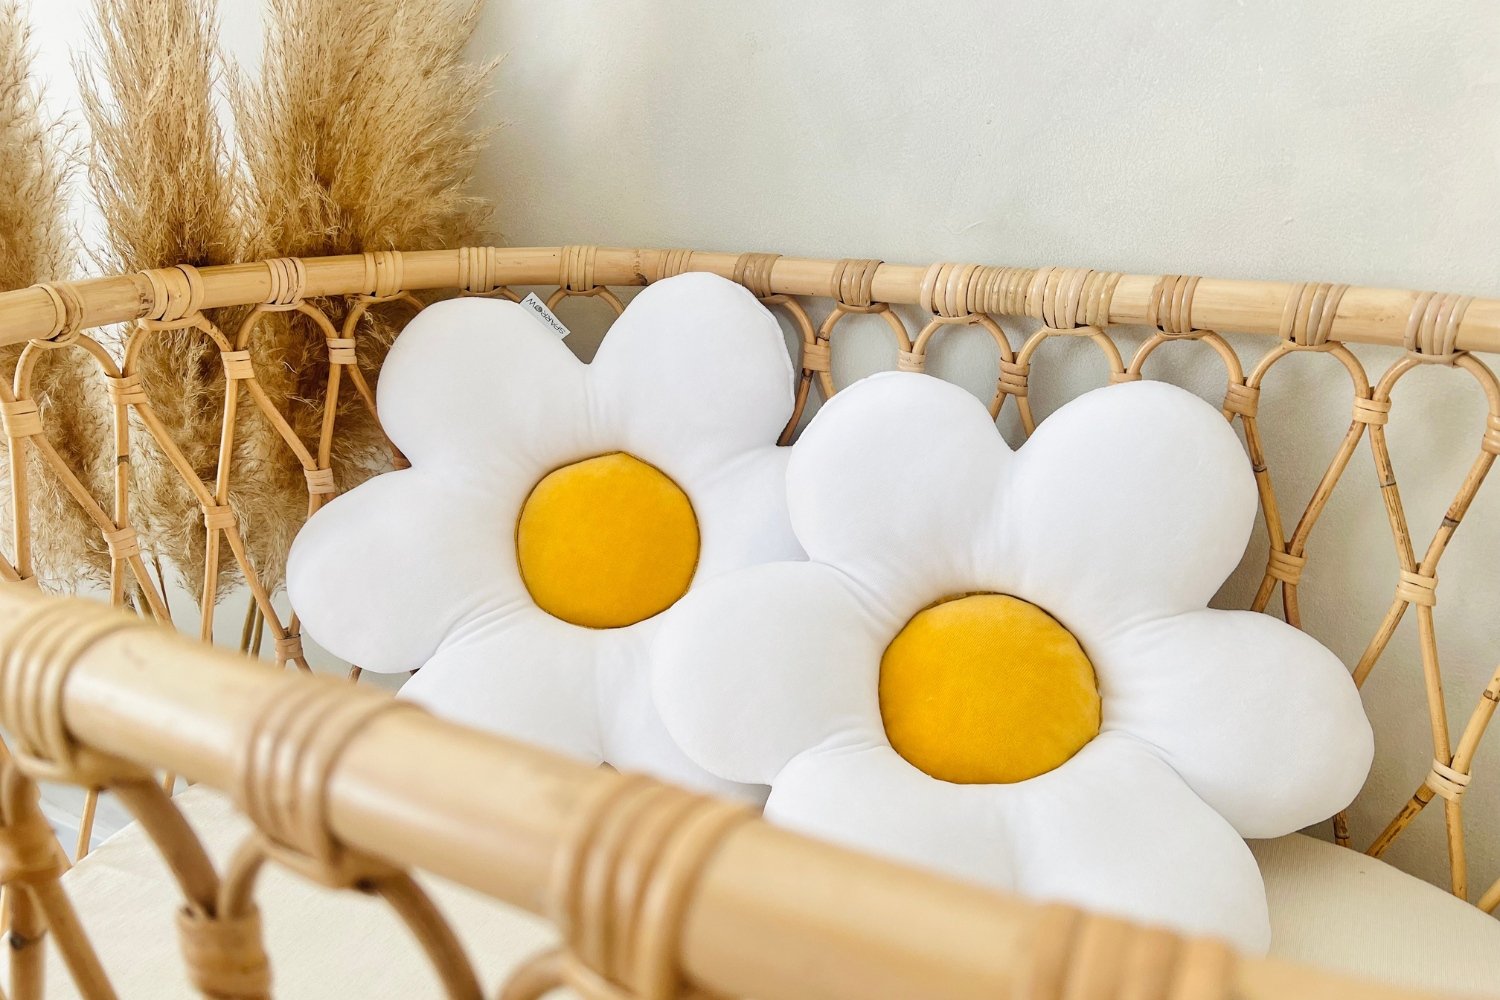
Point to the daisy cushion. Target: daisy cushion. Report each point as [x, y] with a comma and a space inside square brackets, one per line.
[1001, 664]
[554, 513]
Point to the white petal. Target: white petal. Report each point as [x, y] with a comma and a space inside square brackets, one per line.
[480, 383]
[529, 677]
[634, 737]
[1261, 720]
[873, 800]
[1131, 502]
[694, 372]
[1116, 830]
[741, 511]
[759, 665]
[895, 482]
[383, 573]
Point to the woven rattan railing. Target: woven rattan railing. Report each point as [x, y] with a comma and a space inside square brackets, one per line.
[722, 903]
[1434, 329]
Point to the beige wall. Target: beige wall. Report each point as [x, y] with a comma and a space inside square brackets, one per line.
[1347, 141]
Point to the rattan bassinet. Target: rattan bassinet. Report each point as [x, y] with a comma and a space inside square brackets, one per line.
[354, 790]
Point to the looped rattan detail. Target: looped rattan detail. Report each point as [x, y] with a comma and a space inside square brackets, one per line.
[225, 956]
[237, 365]
[620, 889]
[477, 270]
[123, 543]
[1285, 566]
[1417, 588]
[1308, 314]
[342, 351]
[945, 290]
[753, 270]
[1432, 327]
[126, 390]
[217, 517]
[1066, 298]
[385, 273]
[1171, 305]
[288, 279]
[1241, 400]
[678, 261]
[1446, 782]
[320, 481]
[284, 768]
[1014, 379]
[176, 293]
[67, 310]
[1490, 442]
[576, 268]
[34, 667]
[853, 282]
[20, 418]
[1080, 956]
[1376, 412]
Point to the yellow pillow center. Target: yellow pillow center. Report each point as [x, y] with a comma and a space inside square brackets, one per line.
[987, 689]
[607, 542]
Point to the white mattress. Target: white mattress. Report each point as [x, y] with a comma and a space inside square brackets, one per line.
[1329, 906]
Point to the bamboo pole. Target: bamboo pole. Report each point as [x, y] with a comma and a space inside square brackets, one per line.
[1364, 315]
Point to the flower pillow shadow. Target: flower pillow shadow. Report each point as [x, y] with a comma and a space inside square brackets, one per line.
[555, 512]
[1001, 664]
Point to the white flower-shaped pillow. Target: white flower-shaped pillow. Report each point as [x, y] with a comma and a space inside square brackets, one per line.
[1001, 664]
[555, 512]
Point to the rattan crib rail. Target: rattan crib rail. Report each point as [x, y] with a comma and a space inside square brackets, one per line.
[722, 903]
[1434, 329]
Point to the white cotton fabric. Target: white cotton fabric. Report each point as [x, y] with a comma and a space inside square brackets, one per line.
[417, 568]
[1330, 907]
[1121, 517]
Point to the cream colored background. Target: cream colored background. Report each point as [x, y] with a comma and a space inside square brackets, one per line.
[1347, 141]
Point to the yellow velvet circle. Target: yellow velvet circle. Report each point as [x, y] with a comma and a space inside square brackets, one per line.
[607, 542]
[987, 689]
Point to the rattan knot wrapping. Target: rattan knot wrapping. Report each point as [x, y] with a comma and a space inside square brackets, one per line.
[67, 309]
[1308, 314]
[1069, 298]
[1171, 305]
[1376, 412]
[1417, 588]
[237, 365]
[678, 261]
[342, 351]
[816, 356]
[284, 767]
[477, 270]
[945, 290]
[1079, 956]
[620, 889]
[218, 517]
[385, 273]
[1490, 442]
[1286, 567]
[123, 543]
[225, 956]
[852, 283]
[29, 851]
[1001, 291]
[126, 390]
[34, 667]
[288, 278]
[753, 270]
[1242, 400]
[1432, 327]
[1446, 782]
[20, 418]
[176, 293]
[576, 268]
[1013, 379]
[910, 361]
[320, 481]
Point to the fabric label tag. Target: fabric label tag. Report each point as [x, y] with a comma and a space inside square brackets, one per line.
[545, 316]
